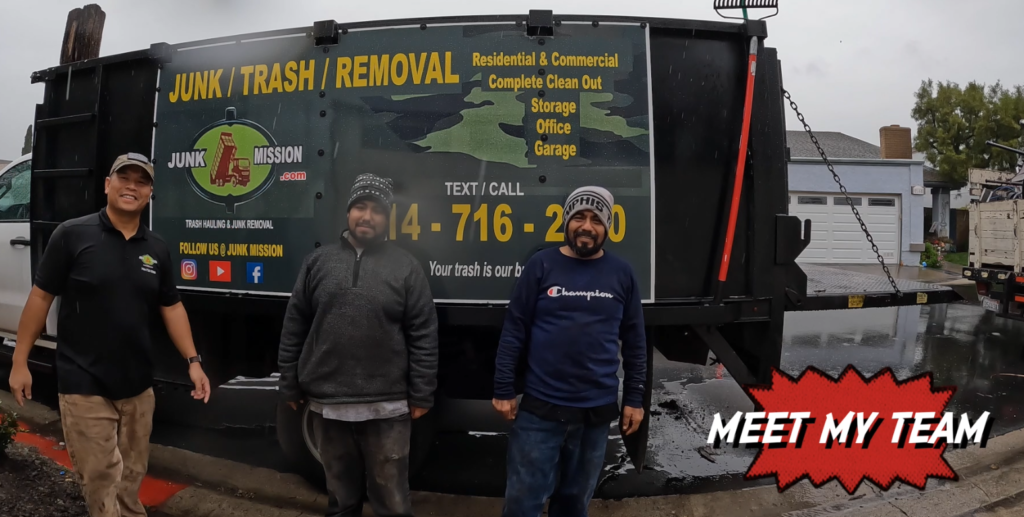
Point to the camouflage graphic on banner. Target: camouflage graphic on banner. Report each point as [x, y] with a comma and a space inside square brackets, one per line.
[483, 129]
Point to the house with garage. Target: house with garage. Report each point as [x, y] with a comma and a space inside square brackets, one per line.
[885, 183]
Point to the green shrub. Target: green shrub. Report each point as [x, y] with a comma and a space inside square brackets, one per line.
[930, 257]
[8, 428]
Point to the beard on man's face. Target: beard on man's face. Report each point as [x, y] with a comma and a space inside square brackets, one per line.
[585, 249]
[365, 233]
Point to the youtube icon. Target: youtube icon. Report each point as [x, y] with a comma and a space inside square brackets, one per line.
[220, 271]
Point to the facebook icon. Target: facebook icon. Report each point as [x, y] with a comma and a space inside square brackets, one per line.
[254, 272]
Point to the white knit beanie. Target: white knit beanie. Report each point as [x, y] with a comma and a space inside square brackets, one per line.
[593, 198]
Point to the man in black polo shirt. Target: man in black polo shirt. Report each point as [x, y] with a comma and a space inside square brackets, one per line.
[114, 276]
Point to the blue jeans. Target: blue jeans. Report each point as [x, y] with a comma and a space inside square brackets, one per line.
[552, 459]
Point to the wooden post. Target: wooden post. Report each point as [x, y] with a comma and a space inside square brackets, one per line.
[27, 148]
[83, 34]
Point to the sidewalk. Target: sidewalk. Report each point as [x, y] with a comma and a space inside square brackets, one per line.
[955, 269]
[191, 485]
[998, 490]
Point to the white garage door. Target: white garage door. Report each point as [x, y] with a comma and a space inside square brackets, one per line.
[837, 238]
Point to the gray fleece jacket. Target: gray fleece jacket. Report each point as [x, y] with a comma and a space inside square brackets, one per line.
[360, 329]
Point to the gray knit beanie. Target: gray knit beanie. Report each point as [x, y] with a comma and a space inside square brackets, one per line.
[593, 198]
[372, 186]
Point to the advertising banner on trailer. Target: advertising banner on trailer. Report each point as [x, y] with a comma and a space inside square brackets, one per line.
[483, 130]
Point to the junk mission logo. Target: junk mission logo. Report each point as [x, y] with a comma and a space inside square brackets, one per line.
[233, 161]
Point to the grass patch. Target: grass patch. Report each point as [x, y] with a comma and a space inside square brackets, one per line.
[959, 259]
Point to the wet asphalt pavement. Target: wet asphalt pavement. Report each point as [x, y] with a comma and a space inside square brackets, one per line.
[962, 344]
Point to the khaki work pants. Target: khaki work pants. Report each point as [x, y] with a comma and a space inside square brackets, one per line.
[108, 441]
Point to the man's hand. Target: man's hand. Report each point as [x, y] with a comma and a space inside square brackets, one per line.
[505, 407]
[198, 376]
[631, 418]
[21, 384]
[417, 411]
[295, 405]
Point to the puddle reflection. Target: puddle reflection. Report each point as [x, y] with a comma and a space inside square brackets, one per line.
[963, 345]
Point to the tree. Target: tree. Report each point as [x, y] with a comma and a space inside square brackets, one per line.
[27, 148]
[953, 124]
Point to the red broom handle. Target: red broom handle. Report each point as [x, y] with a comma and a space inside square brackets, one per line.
[741, 162]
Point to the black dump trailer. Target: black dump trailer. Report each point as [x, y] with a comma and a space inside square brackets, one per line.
[485, 124]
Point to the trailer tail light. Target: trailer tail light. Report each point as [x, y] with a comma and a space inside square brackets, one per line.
[982, 288]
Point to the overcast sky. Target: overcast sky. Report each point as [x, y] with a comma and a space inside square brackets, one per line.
[851, 65]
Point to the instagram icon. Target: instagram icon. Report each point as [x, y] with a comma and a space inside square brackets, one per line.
[189, 269]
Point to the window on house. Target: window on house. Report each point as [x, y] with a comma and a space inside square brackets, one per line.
[841, 200]
[812, 200]
[879, 201]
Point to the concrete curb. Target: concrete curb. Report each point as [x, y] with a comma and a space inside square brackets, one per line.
[223, 487]
[34, 412]
[195, 501]
[265, 485]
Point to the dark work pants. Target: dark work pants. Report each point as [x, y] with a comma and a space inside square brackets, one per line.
[371, 458]
[552, 459]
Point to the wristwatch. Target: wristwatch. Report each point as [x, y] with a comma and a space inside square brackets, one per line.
[195, 359]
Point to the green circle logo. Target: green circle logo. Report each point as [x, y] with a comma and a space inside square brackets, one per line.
[230, 168]
[237, 161]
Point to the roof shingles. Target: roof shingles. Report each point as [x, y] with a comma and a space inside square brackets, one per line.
[835, 144]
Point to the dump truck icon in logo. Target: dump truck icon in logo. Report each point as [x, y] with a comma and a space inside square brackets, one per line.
[237, 174]
[226, 167]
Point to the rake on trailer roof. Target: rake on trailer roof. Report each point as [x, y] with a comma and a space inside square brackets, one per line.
[744, 5]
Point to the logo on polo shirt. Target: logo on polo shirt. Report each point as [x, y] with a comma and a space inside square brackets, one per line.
[220, 271]
[557, 291]
[148, 263]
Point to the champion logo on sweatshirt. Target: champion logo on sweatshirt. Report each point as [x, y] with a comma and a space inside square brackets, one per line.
[557, 291]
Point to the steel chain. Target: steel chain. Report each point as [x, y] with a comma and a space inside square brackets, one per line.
[849, 201]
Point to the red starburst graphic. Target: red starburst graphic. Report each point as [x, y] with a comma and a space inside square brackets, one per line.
[876, 458]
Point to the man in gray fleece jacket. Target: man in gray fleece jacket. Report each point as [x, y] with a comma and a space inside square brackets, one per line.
[360, 344]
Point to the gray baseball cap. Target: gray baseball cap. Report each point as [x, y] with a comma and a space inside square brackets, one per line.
[134, 159]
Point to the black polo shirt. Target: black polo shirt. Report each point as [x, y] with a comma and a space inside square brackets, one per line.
[111, 289]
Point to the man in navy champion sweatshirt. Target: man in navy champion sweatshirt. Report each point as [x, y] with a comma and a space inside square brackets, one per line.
[571, 307]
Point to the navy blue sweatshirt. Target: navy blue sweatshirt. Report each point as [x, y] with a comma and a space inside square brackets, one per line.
[568, 314]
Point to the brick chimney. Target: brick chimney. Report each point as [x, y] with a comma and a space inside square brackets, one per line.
[896, 143]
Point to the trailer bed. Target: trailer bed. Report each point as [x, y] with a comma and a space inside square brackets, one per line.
[831, 288]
